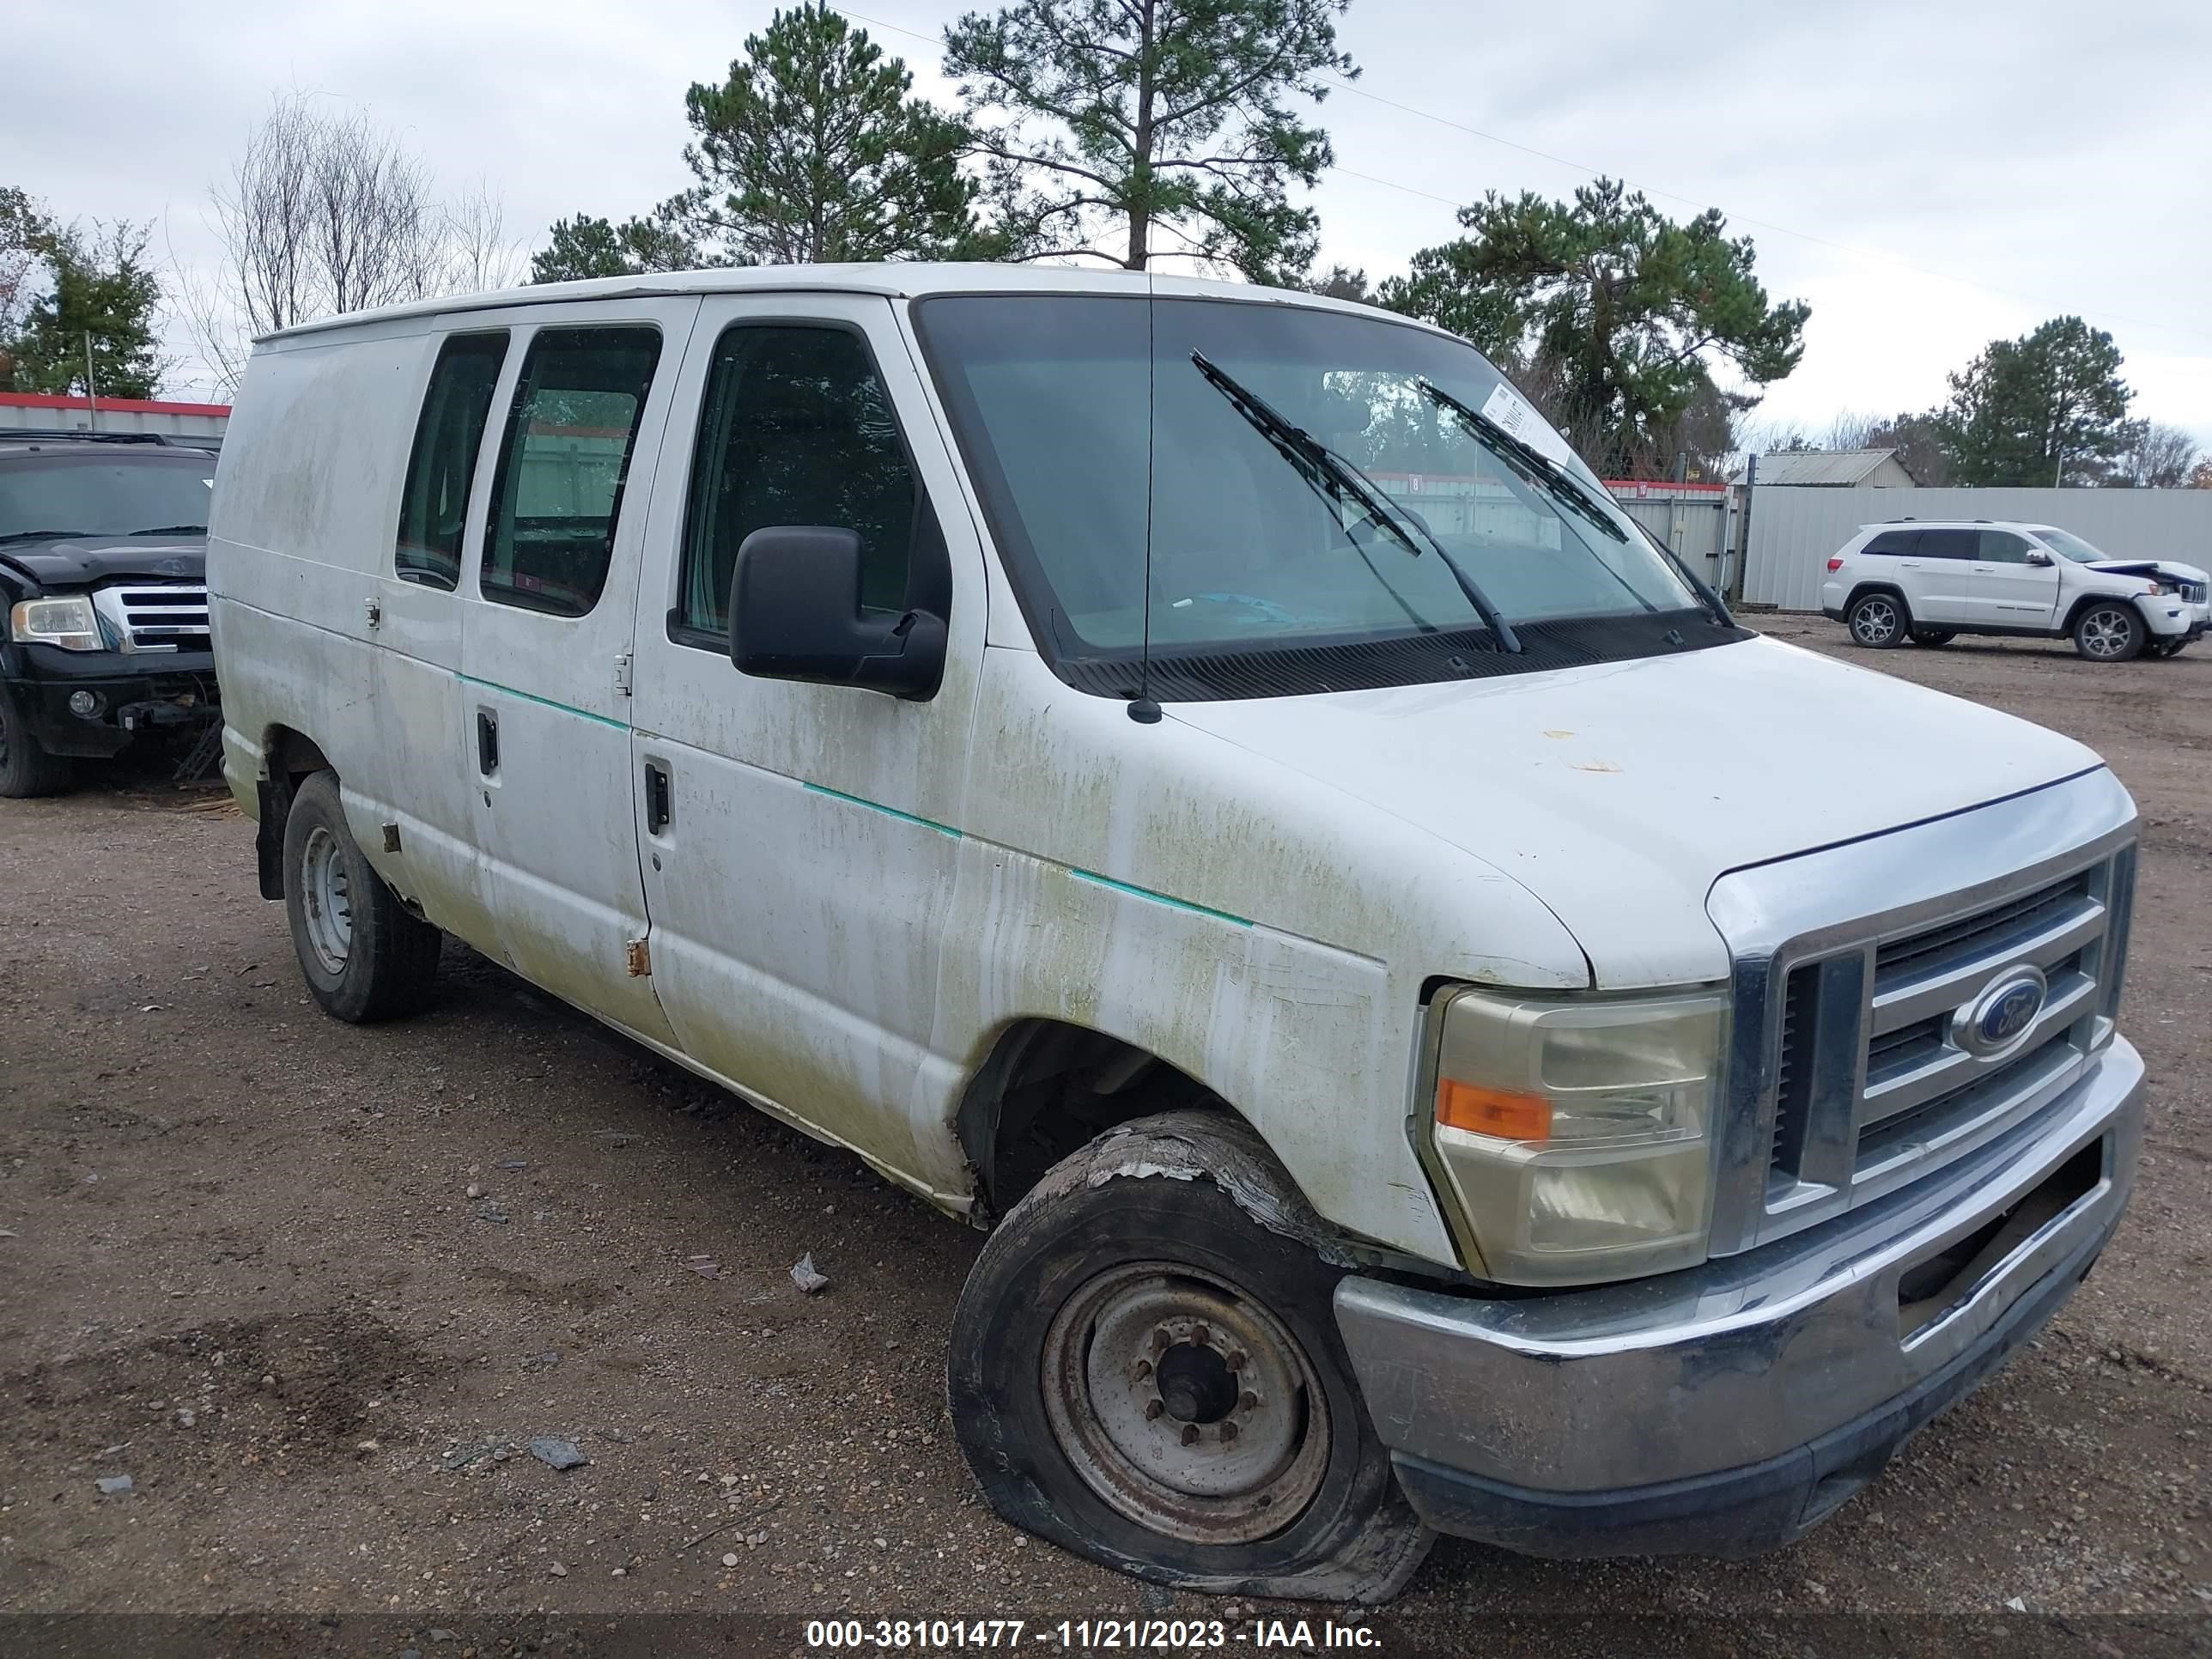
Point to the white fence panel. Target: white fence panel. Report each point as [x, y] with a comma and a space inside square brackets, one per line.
[1795, 529]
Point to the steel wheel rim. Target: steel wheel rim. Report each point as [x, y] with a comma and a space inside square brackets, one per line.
[326, 900]
[2105, 633]
[1876, 622]
[1185, 1404]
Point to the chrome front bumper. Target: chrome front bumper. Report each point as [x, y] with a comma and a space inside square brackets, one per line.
[1729, 1407]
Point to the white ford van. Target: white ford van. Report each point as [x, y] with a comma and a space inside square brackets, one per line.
[1446, 1030]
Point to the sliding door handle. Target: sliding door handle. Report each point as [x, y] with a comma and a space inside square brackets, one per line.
[659, 798]
[487, 742]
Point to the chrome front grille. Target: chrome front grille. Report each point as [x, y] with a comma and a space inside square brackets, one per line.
[1851, 1071]
[1919, 1097]
[155, 616]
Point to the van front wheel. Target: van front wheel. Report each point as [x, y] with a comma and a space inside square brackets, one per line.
[1142, 1373]
[365, 957]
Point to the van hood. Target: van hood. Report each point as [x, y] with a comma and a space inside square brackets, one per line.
[83, 561]
[1619, 793]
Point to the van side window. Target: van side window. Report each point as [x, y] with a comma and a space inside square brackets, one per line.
[1899, 542]
[434, 512]
[2003, 547]
[557, 496]
[796, 428]
[1949, 544]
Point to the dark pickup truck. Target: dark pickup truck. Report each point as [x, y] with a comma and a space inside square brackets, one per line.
[103, 592]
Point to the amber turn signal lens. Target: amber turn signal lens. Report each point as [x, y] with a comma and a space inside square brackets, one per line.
[1500, 1112]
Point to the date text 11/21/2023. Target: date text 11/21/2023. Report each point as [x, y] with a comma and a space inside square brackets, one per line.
[1088, 1635]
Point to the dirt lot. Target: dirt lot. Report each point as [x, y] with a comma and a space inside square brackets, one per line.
[306, 1284]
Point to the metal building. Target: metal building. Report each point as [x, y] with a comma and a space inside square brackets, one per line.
[1836, 468]
[201, 424]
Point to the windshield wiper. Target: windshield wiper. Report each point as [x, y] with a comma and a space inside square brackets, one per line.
[1329, 472]
[1549, 472]
[173, 530]
[42, 535]
[1561, 483]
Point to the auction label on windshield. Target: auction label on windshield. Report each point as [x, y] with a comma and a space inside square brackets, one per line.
[1519, 417]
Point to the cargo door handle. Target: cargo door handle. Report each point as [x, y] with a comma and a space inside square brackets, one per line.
[487, 742]
[659, 799]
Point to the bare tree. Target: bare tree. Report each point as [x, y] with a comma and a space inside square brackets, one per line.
[2158, 457]
[1851, 430]
[325, 212]
[481, 255]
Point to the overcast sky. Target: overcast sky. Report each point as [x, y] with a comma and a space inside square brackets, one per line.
[1928, 175]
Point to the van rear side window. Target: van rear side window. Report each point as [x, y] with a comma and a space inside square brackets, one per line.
[434, 513]
[557, 498]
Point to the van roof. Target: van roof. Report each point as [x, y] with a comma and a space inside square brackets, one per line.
[901, 280]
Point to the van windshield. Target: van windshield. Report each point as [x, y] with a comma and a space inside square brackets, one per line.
[1337, 499]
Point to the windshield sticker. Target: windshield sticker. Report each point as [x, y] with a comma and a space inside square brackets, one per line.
[1514, 412]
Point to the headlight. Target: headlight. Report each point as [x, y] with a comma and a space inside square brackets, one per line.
[67, 622]
[1575, 1137]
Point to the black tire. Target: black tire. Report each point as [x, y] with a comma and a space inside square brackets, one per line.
[25, 768]
[1879, 621]
[2110, 630]
[365, 957]
[1114, 1215]
[1934, 637]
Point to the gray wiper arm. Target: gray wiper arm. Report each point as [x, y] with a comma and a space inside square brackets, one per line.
[1315, 460]
[1553, 476]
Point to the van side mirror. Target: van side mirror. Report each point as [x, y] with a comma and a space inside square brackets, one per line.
[795, 614]
[2037, 556]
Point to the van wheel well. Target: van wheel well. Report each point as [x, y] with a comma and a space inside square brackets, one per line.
[290, 758]
[1049, 1088]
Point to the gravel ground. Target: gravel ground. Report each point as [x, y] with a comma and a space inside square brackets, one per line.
[314, 1289]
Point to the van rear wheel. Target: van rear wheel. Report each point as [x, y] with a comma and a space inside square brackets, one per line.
[1143, 1374]
[2110, 632]
[1878, 621]
[364, 955]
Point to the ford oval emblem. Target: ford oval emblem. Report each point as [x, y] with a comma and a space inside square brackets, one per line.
[2002, 1014]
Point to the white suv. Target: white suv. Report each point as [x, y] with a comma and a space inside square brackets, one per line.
[1933, 581]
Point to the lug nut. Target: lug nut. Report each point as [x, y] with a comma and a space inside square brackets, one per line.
[1144, 1369]
[1238, 1359]
[1153, 1408]
[1161, 1339]
[1200, 1335]
[1190, 1434]
[1249, 1400]
[1228, 1430]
